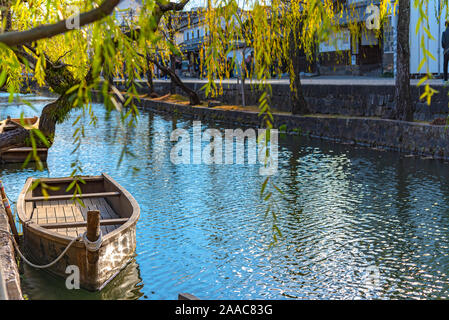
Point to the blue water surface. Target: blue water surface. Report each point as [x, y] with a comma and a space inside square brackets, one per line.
[347, 214]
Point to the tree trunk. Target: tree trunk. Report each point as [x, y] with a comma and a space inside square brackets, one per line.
[51, 114]
[243, 75]
[243, 91]
[193, 96]
[150, 82]
[149, 74]
[60, 79]
[173, 69]
[297, 100]
[403, 102]
[171, 39]
[14, 138]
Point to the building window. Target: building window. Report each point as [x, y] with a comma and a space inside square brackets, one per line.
[388, 35]
[187, 37]
[198, 33]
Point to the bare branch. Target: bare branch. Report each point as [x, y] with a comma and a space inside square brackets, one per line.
[193, 96]
[59, 59]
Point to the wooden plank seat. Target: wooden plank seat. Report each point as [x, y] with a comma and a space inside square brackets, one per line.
[71, 196]
[60, 181]
[104, 222]
[26, 149]
[69, 218]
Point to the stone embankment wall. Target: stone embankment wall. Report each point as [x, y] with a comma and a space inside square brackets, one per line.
[8, 263]
[409, 137]
[351, 100]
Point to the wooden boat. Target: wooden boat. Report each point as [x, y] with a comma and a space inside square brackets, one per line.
[51, 223]
[20, 154]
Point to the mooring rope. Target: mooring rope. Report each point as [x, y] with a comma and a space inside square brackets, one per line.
[90, 246]
[35, 265]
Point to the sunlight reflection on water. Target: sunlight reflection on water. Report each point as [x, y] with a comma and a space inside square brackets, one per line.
[202, 228]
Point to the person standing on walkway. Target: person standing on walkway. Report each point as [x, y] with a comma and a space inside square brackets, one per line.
[445, 45]
[249, 61]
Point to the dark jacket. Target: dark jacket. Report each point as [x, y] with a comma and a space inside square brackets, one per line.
[445, 39]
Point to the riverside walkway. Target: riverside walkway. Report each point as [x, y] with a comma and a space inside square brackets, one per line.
[324, 80]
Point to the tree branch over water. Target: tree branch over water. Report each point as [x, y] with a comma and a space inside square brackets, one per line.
[60, 76]
[15, 38]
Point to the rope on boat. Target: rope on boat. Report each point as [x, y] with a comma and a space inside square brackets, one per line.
[90, 246]
[40, 266]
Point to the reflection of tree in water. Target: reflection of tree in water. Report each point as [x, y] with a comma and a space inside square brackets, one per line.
[392, 275]
[359, 211]
[292, 180]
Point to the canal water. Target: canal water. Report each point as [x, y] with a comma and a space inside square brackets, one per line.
[356, 223]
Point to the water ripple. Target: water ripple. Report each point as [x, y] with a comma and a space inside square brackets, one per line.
[203, 228]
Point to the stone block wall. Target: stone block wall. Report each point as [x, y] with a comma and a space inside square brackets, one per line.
[420, 139]
[350, 100]
[8, 264]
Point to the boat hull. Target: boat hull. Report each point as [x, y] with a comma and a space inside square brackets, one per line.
[15, 155]
[113, 256]
[51, 223]
[19, 155]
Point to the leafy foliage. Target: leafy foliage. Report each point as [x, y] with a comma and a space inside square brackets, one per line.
[90, 57]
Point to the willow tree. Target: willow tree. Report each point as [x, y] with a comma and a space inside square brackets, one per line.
[68, 53]
[69, 58]
[279, 30]
[404, 106]
[66, 45]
